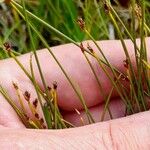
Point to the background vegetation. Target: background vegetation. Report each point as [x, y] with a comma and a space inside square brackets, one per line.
[61, 14]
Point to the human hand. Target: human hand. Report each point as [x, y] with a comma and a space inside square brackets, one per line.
[125, 133]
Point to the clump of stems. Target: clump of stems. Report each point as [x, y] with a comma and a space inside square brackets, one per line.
[134, 99]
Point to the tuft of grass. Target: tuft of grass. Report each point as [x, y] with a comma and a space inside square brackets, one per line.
[92, 21]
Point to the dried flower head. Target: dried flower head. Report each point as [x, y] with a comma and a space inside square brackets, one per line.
[106, 6]
[81, 23]
[49, 88]
[35, 103]
[7, 46]
[82, 48]
[42, 121]
[55, 85]
[15, 85]
[27, 117]
[126, 63]
[37, 115]
[90, 48]
[27, 96]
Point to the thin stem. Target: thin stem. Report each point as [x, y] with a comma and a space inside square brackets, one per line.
[106, 105]
[90, 118]
[97, 79]
[126, 101]
[110, 66]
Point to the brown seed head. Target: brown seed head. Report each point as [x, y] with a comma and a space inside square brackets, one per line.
[106, 6]
[35, 103]
[42, 120]
[15, 85]
[82, 48]
[27, 96]
[37, 115]
[27, 117]
[49, 88]
[81, 23]
[90, 48]
[126, 63]
[7, 46]
[55, 85]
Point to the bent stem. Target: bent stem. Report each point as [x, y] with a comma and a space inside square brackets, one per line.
[95, 75]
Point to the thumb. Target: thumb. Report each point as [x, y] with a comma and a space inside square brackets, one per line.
[126, 133]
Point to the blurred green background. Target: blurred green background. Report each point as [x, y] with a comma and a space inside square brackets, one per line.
[61, 14]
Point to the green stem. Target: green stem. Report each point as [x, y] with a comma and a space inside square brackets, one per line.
[90, 118]
[110, 66]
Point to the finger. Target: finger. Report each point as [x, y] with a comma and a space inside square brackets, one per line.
[126, 133]
[8, 117]
[17, 96]
[73, 61]
[79, 118]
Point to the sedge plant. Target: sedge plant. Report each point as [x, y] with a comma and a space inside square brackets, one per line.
[134, 99]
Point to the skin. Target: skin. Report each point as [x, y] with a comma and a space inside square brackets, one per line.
[131, 132]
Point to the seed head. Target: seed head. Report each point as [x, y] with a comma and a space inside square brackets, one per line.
[106, 6]
[42, 120]
[15, 85]
[82, 48]
[35, 103]
[49, 88]
[26, 116]
[37, 115]
[27, 96]
[7, 46]
[81, 23]
[90, 48]
[55, 85]
[126, 63]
